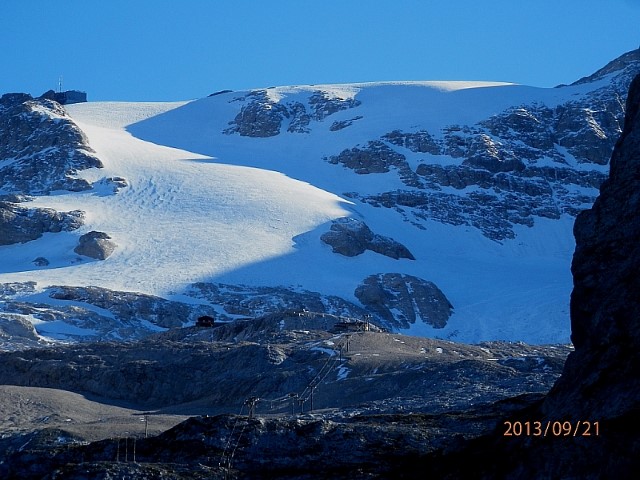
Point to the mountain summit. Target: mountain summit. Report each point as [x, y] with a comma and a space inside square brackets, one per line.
[438, 208]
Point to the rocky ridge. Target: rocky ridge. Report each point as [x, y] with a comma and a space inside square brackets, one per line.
[88, 314]
[32, 317]
[264, 116]
[350, 237]
[350, 393]
[530, 161]
[19, 224]
[605, 311]
[42, 150]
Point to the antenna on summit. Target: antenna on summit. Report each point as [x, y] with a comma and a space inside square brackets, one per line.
[60, 84]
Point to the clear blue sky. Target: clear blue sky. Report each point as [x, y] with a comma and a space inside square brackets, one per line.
[183, 49]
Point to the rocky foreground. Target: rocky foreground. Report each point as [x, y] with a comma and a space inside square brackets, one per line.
[279, 396]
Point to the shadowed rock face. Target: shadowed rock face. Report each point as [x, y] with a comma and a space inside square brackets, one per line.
[351, 237]
[20, 224]
[402, 300]
[602, 376]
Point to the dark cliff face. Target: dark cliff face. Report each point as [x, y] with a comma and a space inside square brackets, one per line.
[607, 251]
[602, 376]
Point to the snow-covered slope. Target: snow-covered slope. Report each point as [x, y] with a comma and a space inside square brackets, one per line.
[226, 201]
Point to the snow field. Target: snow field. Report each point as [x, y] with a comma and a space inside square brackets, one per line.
[204, 206]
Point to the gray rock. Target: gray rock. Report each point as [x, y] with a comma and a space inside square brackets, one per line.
[300, 119]
[402, 300]
[95, 314]
[258, 118]
[262, 117]
[419, 142]
[341, 124]
[375, 157]
[627, 62]
[20, 224]
[114, 184]
[96, 245]
[255, 301]
[521, 159]
[16, 288]
[350, 237]
[494, 215]
[12, 326]
[130, 308]
[41, 262]
[322, 105]
[43, 148]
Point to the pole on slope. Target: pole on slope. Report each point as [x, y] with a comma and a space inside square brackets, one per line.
[251, 403]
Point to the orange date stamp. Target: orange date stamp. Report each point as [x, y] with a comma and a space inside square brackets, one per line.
[551, 428]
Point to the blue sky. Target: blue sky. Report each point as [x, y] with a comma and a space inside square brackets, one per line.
[178, 50]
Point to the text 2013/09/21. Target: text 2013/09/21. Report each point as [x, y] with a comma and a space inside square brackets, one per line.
[579, 428]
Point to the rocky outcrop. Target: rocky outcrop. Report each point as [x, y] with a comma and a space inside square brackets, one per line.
[375, 157]
[627, 63]
[262, 116]
[19, 224]
[96, 245]
[508, 169]
[16, 326]
[258, 118]
[350, 237]
[86, 314]
[419, 142]
[341, 124]
[402, 300]
[274, 356]
[42, 149]
[131, 307]
[255, 301]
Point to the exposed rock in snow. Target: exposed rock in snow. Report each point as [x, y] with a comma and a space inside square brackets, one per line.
[251, 301]
[403, 300]
[12, 326]
[263, 116]
[375, 157]
[42, 149]
[350, 237]
[19, 224]
[41, 262]
[130, 307]
[96, 245]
